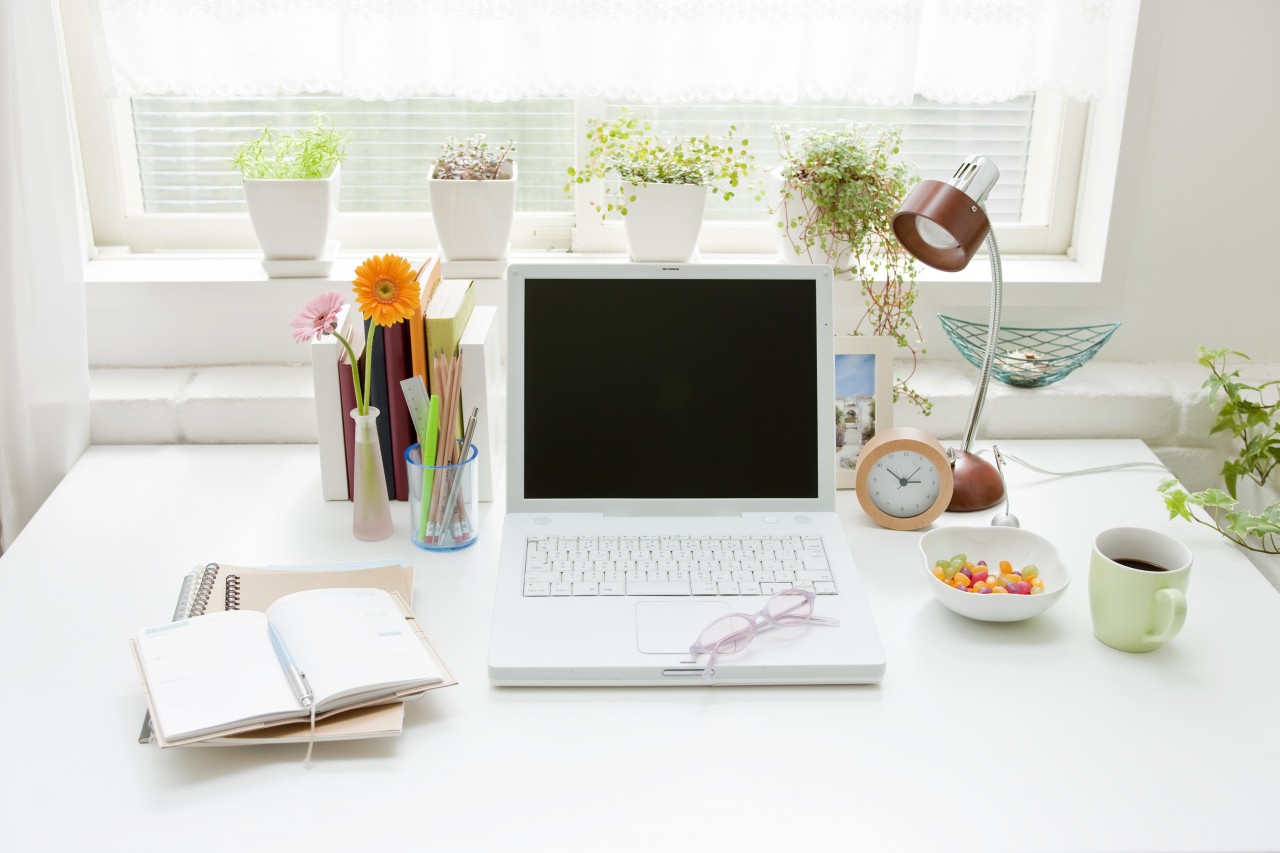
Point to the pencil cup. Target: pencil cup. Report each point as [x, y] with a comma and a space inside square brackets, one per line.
[443, 513]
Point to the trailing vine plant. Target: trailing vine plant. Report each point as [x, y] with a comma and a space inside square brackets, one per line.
[840, 189]
[1251, 413]
[628, 147]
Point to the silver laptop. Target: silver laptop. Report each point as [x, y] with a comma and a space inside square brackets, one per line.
[671, 460]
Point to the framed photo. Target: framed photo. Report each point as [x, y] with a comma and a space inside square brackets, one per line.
[864, 398]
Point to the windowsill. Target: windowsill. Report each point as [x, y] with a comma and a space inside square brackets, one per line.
[241, 267]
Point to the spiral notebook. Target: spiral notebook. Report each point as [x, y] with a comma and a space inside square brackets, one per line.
[215, 587]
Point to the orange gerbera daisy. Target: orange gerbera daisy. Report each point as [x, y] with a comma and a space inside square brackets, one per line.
[386, 288]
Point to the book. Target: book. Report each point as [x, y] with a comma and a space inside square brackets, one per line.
[482, 389]
[399, 366]
[446, 318]
[380, 398]
[215, 587]
[326, 356]
[223, 673]
[428, 279]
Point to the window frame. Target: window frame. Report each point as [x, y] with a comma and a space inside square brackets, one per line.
[109, 153]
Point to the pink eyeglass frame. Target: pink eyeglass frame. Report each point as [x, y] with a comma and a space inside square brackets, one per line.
[741, 638]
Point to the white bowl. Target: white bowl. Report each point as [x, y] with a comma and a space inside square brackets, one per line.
[993, 544]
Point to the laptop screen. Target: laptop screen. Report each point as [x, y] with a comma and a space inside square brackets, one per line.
[671, 387]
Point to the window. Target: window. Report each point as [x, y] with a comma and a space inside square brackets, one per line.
[159, 177]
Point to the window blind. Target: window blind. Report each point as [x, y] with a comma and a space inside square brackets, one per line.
[185, 145]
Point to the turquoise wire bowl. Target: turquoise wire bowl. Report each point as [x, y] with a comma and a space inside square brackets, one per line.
[1028, 358]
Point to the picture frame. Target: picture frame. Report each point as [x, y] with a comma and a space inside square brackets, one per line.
[864, 398]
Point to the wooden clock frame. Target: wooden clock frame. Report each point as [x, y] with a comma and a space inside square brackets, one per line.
[916, 441]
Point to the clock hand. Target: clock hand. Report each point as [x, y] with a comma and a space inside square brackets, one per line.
[913, 473]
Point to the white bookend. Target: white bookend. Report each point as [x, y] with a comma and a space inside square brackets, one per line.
[329, 414]
[482, 388]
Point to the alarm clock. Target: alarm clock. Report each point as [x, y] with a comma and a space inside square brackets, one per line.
[904, 478]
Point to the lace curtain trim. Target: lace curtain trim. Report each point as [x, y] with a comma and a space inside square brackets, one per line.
[870, 51]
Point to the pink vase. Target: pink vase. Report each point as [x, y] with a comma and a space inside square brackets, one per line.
[371, 518]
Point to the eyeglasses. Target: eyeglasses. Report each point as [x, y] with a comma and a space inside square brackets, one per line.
[733, 632]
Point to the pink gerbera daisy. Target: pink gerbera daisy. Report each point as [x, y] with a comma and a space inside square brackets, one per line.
[318, 318]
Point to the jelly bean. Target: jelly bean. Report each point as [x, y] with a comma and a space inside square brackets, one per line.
[979, 575]
[1006, 566]
[948, 572]
[957, 564]
[1022, 588]
[1036, 590]
[962, 581]
[1030, 572]
[986, 590]
[999, 589]
[982, 562]
[960, 557]
[937, 572]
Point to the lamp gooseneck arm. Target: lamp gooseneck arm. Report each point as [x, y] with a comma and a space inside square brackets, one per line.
[993, 329]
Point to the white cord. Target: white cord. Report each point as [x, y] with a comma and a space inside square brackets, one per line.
[1101, 469]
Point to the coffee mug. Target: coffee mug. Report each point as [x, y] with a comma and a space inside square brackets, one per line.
[1137, 588]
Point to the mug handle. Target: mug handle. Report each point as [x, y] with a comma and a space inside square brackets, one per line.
[1173, 608]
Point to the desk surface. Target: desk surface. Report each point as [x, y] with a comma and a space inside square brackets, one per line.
[1026, 736]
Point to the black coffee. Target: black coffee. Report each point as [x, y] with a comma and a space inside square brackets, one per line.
[1140, 565]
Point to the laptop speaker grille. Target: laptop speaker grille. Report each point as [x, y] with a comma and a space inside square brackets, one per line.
[542, 519]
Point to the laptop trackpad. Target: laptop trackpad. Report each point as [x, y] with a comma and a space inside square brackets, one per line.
[670, 627]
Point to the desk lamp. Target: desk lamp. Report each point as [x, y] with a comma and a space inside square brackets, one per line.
[942, 225]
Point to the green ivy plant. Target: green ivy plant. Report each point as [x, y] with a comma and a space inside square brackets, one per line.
[309, 154]
[628, 147]
[840, 189]
[1251, 414]
[472, 159]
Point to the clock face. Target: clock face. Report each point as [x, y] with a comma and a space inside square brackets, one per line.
[903, 483]
[904, 478]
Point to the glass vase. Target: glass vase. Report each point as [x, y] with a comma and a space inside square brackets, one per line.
[371, 516]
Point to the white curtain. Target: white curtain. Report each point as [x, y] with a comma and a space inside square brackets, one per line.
[44, 374]
[872, 51]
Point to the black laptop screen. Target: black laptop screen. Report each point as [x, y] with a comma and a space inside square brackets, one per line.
[677, 389]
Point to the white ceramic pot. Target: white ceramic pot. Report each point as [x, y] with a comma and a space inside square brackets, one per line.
[473, 218]
[664, 221]
[788, 239]
[293, 218]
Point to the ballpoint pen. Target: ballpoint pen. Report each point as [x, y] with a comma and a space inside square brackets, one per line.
[297, 679]
[446, 520]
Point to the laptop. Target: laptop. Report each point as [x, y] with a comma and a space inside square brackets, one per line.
[670, 461]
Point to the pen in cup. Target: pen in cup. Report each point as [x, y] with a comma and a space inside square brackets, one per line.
[297, 679]
[446, 520]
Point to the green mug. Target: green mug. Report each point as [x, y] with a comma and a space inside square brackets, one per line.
[1137, 588]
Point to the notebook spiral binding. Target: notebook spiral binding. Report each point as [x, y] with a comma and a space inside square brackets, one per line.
[232, 599]
[200, 598]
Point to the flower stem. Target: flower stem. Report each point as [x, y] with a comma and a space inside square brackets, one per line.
[355, 375]
[368, 368]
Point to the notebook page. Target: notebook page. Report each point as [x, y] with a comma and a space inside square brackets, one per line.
[213, 672]
[351, 643]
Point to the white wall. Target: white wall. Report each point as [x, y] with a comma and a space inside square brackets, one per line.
[1192, 246]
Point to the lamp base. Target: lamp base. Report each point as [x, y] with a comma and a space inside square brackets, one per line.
[977, 483]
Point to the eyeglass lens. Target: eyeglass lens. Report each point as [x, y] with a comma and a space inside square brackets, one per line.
[789, 608]
[728, 634]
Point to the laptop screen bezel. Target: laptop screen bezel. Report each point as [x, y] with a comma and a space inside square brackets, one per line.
[818, 276]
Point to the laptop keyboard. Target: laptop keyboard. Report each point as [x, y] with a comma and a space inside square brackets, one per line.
[675, 565]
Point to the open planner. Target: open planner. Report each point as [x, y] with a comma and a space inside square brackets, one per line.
[224, 672]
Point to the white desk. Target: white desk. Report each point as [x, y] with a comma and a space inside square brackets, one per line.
[1027, 736]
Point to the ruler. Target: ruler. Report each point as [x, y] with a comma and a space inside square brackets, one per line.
[415, 395]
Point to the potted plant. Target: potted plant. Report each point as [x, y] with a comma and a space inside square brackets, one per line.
[1251, 415]
[664, 182]
[834, 199]
[473, 199]
[291, 185]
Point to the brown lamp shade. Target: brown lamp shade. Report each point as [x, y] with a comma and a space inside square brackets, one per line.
[950, 209]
